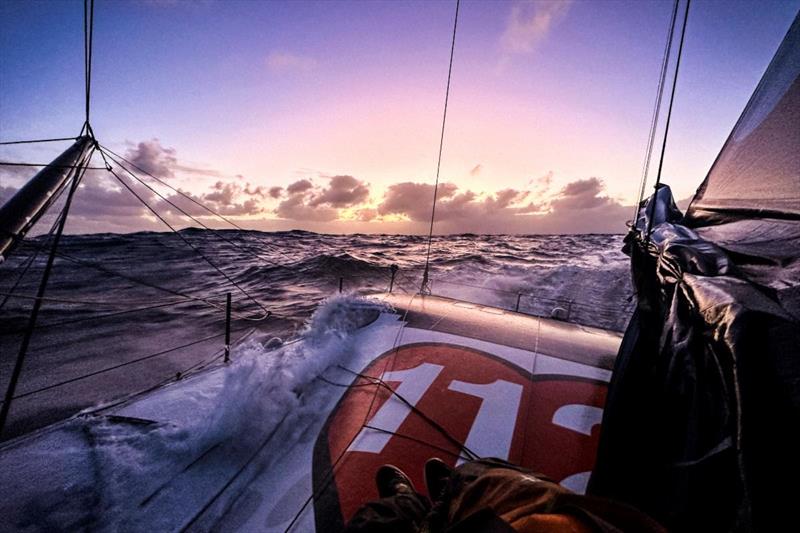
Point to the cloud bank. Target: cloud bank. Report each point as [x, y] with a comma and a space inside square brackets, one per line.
[334, 203]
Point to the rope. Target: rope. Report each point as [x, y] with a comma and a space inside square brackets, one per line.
[4, 143]
[26, 339]
[424, 287]
[656, 110]
[669, 114]
[190, 245]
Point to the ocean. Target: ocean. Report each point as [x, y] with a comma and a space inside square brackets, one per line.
[126, 313]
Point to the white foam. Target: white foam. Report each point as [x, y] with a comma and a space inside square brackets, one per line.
[93, 472]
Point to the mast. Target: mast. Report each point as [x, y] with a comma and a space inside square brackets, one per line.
[22, 211]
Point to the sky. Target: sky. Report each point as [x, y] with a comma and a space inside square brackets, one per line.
[326, 116]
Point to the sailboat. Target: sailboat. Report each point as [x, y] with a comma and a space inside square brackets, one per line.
[698, 397]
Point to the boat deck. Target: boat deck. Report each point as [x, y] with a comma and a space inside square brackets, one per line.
[436, 377]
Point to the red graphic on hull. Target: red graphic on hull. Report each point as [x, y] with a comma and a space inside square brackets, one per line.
[548, 423]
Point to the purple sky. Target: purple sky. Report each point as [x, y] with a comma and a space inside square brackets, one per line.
[326, 115]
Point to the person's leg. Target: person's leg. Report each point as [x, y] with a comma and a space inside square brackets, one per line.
[401, 513]
[401, 509]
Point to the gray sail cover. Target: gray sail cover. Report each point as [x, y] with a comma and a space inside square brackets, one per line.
[702, 423]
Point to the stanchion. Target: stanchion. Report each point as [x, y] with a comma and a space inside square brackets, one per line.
[516, 307]
[393, 270]
[228, 328]
[341, 284]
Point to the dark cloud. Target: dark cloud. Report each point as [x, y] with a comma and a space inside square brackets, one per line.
[413, 201]
[476, 170]
[296, 208]
[299, 186]
[227, 198]
[162, 162]
[305, 201]
[582, 194]
[258, 191]
[275, 192]
[342, 191]
[100, 196]
[151, 157]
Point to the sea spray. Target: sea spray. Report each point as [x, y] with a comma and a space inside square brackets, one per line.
[261, 386]
[112, 464]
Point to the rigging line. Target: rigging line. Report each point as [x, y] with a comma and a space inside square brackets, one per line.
[420, 441]
[187, 196]
[26, 339]
[178, 191]
[39, 141]
[121, 365]
[329, 471]
[88, 33]
[424, 287]
[656, 110]
[192, 246]
[669, 114]
[236, 475]
[380, 382]
[100, 268]
[254, 255]
[214, 356]
[99, 303]
[105, 149]
[94, 317]
[32, 259]
[50, 165]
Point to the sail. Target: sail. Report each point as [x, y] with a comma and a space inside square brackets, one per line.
[758, 169]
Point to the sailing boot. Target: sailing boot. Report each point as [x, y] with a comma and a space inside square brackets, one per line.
[437, 476]
[392, 481]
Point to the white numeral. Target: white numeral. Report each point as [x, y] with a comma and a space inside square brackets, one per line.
[414, 383]
[493, 428]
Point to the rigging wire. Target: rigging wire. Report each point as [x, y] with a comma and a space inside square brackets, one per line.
[424, 288]
[94, 317]
[669, 116]
[77, 174]
[214, 357]
[225, 219]
[656, 110]
[97, 303]
[32, 259]
[121, 365]
[254, 255]
[144, 283]
[192, 246]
